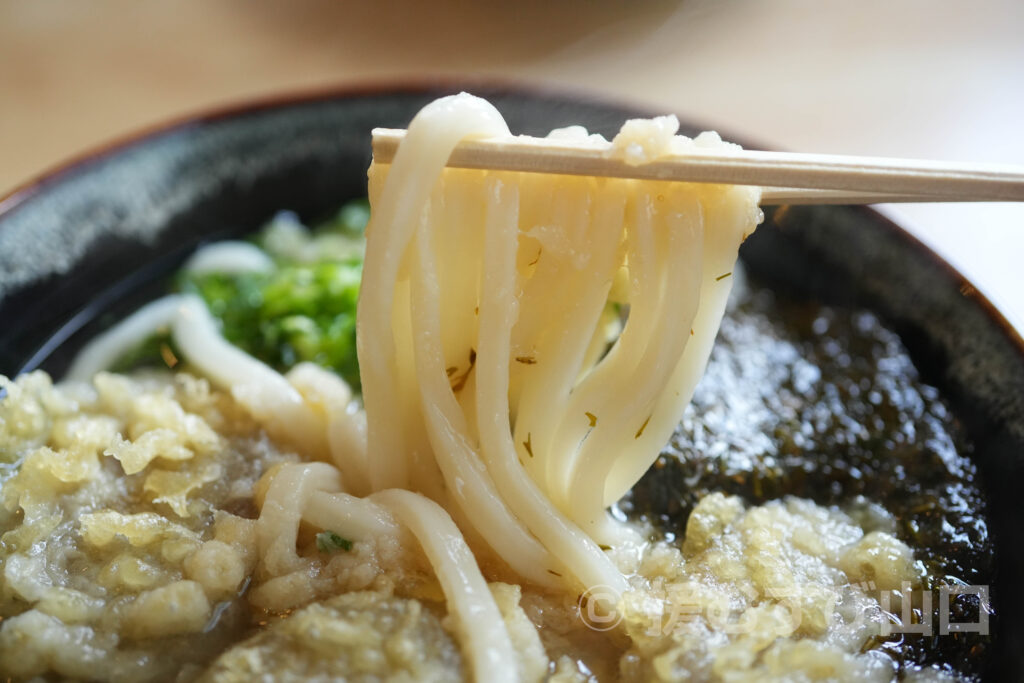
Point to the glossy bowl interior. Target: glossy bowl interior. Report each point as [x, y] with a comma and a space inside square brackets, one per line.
[87, 244]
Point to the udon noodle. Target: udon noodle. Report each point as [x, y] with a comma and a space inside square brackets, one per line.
[505, 281]
[527, 343]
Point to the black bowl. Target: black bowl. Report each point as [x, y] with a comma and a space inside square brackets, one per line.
[88, 243]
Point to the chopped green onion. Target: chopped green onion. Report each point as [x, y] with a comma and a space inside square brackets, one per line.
[330, 542]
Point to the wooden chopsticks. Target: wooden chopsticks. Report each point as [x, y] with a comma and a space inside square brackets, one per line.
[788, 178]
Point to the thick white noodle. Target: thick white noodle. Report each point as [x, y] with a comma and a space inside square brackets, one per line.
[258, 387]
[277, 529]
[576, 551]
[432, 135]
[621, 416]
[563, 303]
[230, 257]
[105, 349]
[351, 517]
[330, 398]
[484, 637]
[600, 389]
[468, 481]
[730, 214]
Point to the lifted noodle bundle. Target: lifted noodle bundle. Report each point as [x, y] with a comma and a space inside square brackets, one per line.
[484, 331]
[527, 344]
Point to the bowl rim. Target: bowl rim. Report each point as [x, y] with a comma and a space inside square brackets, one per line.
[22, 193]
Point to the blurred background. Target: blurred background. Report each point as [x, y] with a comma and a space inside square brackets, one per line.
[940, 79]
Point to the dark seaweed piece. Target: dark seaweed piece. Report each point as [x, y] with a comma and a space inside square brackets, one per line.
[824, 403]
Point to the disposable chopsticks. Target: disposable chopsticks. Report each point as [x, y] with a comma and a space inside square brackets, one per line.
[788, 178]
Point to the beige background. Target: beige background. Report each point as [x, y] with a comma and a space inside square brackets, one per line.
[927, 78]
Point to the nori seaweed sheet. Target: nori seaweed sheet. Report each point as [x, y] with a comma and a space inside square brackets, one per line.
[825, 403]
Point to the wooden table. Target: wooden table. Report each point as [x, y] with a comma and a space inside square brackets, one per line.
[923, 78]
